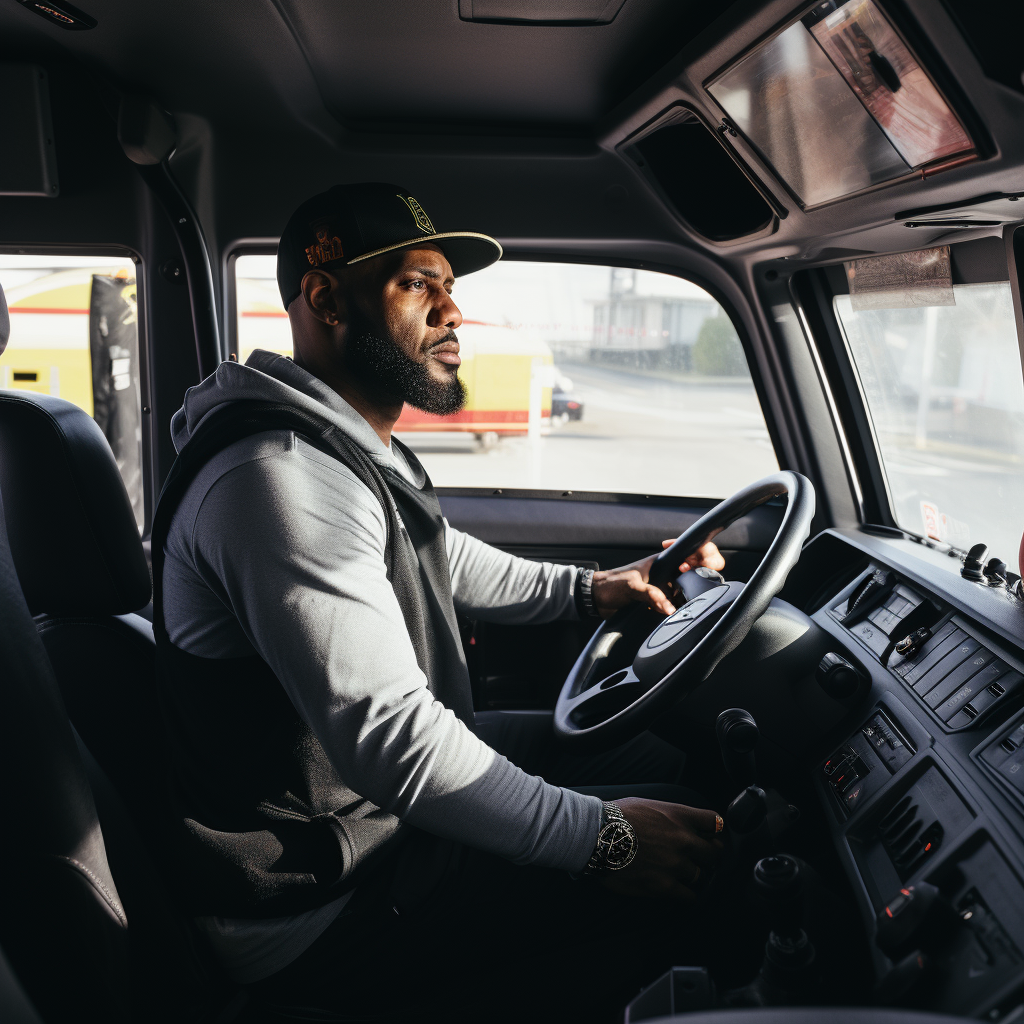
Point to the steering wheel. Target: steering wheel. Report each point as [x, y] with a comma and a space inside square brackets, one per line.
[607, 699]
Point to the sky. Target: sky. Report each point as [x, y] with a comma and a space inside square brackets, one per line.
[552, 299]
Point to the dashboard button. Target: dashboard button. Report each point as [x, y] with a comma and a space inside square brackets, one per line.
[920, 647]
[871, 635]
[1012, 769]
[960, 719]
[961, 675]
[938, 671]
[975, 690]
[984, 694]
[931, 654]
[995, 754]
[836, 761]
[1009, 682]
[884, 619]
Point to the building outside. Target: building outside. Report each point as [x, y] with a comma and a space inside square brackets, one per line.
[639, 326]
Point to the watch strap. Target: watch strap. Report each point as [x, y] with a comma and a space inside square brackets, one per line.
[616, 843]
[584, 594]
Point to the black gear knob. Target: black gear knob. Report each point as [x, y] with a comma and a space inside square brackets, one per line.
[737, 736]
[748, 812]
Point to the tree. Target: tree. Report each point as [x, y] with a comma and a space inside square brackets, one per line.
[717, 351]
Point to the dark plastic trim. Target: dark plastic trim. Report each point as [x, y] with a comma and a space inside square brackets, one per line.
[811, 294]
[196, 256]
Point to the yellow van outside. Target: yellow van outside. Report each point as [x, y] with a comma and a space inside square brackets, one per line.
[502, 368]
[48, 351]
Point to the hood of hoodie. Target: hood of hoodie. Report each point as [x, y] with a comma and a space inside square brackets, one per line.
[268, 377]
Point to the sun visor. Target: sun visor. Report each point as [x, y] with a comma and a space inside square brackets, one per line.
[28, 161]
[836, 103]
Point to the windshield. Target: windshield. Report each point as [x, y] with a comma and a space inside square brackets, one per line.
[945, 395]
[578, 378]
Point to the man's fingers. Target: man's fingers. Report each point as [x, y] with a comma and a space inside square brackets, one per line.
[706, 853]
[707, 554]
[649, 594]
[691, 873]
[701, 819]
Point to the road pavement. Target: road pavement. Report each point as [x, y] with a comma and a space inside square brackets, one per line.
[639, 434]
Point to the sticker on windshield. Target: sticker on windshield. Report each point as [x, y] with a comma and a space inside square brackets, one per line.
[938, 526]
[904, 280]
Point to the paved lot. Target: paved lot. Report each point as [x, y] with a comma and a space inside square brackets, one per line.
[638, 434]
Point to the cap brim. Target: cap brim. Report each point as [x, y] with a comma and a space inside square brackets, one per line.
[466, 251]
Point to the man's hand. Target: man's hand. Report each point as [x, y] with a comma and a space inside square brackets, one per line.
[613, 589]
[678, 848]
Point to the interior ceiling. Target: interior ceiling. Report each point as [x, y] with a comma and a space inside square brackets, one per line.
[416, 64]
[379, 63]
[511, 129]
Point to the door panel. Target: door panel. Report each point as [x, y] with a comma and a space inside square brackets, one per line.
[559, 523]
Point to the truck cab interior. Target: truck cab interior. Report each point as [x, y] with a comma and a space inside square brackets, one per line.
[771, 249]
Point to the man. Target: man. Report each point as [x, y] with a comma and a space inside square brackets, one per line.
[336, 801]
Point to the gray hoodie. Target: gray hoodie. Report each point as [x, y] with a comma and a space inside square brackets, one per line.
[278, 550]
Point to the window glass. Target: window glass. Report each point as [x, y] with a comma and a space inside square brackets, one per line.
[579, 378]
[74, 335]
[945, 395]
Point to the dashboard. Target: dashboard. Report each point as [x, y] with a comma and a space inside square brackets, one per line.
[925, 797]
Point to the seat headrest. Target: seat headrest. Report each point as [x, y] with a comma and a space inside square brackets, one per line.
[70, 522]
[5, 323]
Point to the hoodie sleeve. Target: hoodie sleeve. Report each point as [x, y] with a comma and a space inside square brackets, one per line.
[293, 545]
[495, 586]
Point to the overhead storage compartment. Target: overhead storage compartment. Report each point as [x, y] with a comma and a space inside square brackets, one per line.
[695, 173]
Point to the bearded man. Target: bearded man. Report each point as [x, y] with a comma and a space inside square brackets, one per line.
[351, 837]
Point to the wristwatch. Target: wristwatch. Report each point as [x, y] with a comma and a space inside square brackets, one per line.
[616, 843]
[585, 594]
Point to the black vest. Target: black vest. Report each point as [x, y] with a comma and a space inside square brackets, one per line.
[261, 824]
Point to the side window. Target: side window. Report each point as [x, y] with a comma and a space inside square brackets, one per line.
[74, 335]
[943, 390]
[579, 378]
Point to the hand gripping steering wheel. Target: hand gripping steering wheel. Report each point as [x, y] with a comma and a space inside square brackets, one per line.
[606, 700]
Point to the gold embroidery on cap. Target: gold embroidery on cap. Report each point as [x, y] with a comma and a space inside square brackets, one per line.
[419, 214]
[325, 249]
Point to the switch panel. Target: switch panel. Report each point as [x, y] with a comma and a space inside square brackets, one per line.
[863, 764]
[956, 675]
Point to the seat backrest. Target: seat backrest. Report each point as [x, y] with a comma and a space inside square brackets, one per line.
[72, 531]
[62, 922]
[80, 561]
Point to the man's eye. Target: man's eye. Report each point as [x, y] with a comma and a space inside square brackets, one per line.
[418, 284]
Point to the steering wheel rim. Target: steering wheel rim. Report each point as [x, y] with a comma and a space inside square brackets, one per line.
[748, 602]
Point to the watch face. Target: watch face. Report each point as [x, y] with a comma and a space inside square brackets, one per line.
[618, 844]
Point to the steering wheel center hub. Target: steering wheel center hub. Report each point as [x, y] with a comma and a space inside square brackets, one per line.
[681, 632]
[681, 621]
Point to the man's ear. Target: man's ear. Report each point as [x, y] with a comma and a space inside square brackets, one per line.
[322, 296]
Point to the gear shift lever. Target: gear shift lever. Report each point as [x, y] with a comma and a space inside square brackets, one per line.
[737, 736]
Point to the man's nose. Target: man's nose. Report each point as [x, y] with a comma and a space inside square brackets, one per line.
[445, 313]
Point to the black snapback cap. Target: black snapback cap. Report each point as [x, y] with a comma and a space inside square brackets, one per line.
[350, 223]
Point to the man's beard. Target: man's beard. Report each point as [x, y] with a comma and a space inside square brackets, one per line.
[377, 361]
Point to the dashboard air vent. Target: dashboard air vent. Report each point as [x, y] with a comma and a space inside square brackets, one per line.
[910, 834]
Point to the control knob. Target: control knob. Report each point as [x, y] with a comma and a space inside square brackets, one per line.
[837, 677]
[974, 564]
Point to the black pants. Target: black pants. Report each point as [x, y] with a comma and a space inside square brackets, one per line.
[498, 942]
